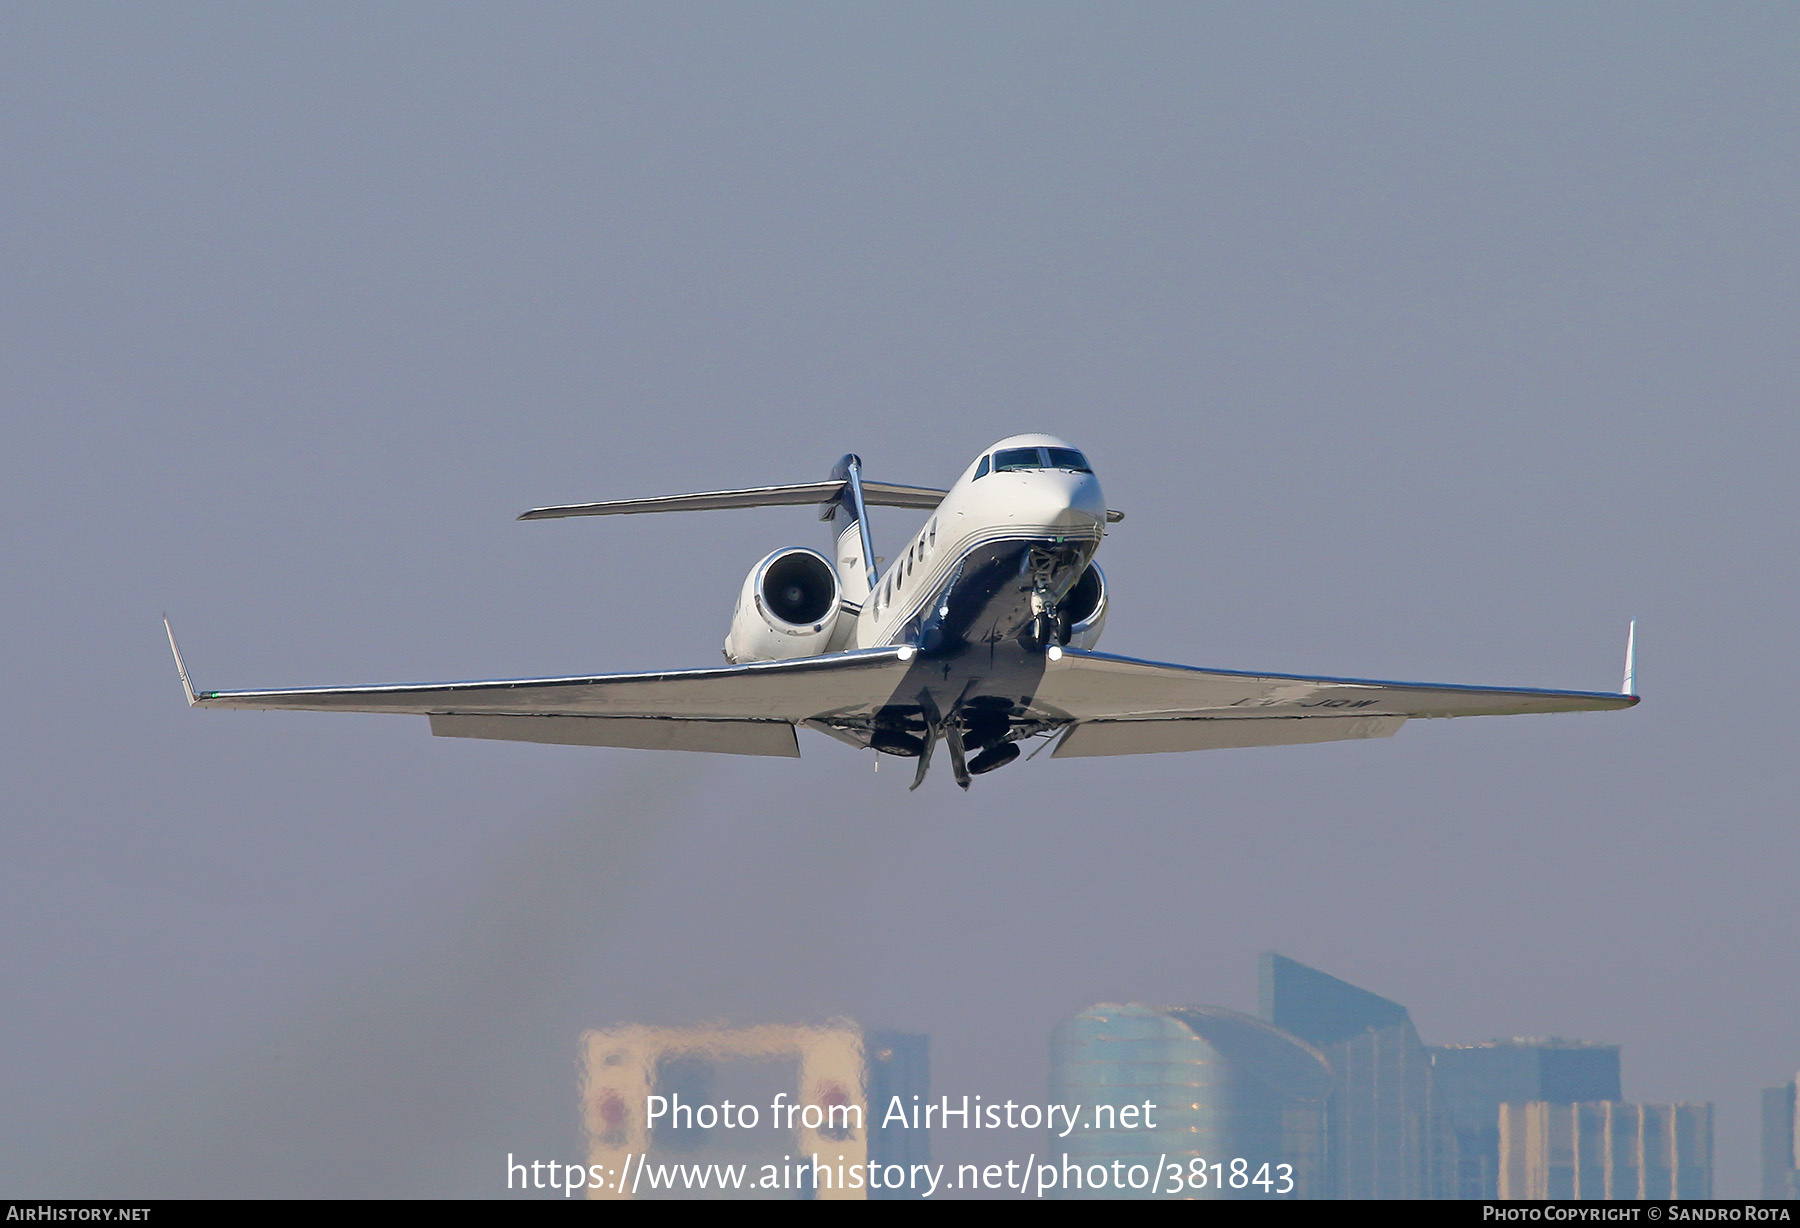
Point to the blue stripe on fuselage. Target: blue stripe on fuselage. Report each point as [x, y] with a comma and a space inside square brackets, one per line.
[973, 658]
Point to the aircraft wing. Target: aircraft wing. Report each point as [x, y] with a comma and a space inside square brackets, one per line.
[741, 709]
[1123, 706]
[1109, 705]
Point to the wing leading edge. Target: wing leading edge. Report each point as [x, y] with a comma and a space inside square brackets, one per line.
[742, 709]
[1123, 706]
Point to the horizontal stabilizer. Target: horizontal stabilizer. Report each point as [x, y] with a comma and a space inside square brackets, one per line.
[884, 494]
[875, 494]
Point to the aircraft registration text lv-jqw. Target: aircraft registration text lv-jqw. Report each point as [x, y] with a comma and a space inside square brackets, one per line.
[979, 636]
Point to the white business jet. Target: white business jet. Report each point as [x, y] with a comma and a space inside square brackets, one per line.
[979, 636]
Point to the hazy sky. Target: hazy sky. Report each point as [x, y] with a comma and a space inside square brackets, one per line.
[1416, 341]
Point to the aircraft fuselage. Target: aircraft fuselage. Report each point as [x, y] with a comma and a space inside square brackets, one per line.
[977, 592]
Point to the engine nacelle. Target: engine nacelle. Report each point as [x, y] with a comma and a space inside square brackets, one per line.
[1083, 612]
[787, 608]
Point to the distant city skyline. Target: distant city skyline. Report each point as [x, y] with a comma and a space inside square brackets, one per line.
[1389, 1117]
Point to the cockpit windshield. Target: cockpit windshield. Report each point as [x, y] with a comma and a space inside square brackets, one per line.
[1011, 460]
[1014, 460]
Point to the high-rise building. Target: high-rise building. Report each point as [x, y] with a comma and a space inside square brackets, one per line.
[1471, 1082]
[1225, 1087]
[1780, 1146]
[1381, 1136]
[817, 1092]
[1605, 1149]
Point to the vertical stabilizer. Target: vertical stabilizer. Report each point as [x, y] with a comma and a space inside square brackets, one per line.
[854, 553]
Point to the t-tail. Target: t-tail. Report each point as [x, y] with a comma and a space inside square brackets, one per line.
[794, 614]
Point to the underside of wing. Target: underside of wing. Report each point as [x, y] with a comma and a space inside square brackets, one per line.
[725, 737]
[1217, 733]
[1120, 706]
[743, 709]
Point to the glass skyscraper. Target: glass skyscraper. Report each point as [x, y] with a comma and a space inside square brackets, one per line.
[1471, 1082]
[1780, 1147]
[1226, 1086]
[1382, 1136]
[1605, 1149]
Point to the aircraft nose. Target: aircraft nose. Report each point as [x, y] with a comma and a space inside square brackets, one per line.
[1062, 502]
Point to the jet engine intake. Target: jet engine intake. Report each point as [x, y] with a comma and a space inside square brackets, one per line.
[1082, 613]
[787, 608]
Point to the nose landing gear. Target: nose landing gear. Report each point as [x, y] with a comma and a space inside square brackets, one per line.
[1047, 626]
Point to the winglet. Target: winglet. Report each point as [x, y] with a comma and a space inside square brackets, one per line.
[1630, 687]
[179, 667]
